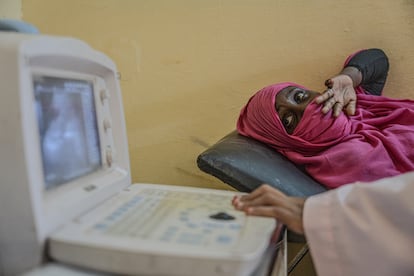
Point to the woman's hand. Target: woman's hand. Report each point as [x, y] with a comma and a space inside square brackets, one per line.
[270, 202]
[339, 95]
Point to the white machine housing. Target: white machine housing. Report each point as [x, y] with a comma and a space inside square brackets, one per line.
[28, 211]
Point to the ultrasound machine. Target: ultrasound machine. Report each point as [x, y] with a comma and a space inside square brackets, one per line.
[67, 204]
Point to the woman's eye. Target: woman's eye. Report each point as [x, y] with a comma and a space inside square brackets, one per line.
[299, 96]
[287, 121]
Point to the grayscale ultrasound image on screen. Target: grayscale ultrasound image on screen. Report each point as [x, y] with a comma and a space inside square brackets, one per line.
[69, 138]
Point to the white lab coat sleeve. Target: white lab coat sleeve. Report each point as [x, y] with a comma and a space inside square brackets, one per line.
[363, 228]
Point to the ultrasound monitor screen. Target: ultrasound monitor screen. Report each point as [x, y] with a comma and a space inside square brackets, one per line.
[69, 138]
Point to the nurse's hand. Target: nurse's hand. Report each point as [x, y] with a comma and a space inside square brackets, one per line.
[339, 96]
[269, 202]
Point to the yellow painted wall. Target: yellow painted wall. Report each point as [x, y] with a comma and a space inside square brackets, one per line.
[11, 9]
[188, 66]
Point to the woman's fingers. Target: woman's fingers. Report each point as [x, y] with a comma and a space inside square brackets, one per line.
[337, 108]
[340, 95]
[331, 101]
[328, 105]
[336, 101]
[350, 108]
[329, 83]
[325, 96]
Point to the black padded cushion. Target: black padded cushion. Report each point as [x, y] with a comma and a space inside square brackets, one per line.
[245, 164]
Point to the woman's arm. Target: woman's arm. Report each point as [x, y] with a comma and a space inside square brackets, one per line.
[368, 68]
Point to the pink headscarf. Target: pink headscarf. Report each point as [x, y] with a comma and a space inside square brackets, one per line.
[376, 142]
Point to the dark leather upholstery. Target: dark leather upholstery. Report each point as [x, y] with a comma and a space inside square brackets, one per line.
[244, 164]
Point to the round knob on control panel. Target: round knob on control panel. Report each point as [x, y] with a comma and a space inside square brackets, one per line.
[103, 94]
[109, 157]
[106, 124]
